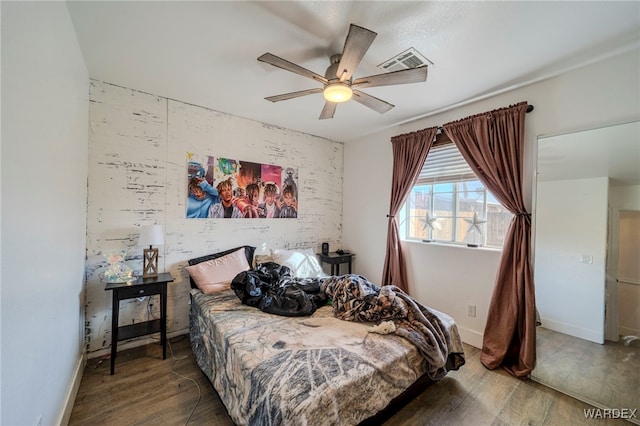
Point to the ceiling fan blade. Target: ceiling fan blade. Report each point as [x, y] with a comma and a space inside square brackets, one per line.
[290, 66]
[328, 110]
[412, 75]
[292, 95]
[355, 46]
[372, 102]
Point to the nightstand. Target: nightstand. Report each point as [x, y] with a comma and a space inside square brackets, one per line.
[141, 287]
[335, 259]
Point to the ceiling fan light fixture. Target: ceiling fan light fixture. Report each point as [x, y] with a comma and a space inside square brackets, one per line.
[337, 92]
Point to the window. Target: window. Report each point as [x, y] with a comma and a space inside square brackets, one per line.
[449, 204]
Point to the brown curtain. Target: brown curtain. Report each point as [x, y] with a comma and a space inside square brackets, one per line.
[493, 145]
[409, 152]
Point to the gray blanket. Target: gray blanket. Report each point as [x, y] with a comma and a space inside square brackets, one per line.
[354, 298]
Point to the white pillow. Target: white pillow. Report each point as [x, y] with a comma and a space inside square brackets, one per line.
[303, 263]
[215, 275]
[262, 254]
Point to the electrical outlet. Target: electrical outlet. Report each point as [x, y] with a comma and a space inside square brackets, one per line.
[586, 258]
[471, 310]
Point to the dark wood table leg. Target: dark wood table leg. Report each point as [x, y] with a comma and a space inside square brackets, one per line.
[114, 330]
[163, 320]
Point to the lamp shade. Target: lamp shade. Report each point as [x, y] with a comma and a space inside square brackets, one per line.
[151, 235]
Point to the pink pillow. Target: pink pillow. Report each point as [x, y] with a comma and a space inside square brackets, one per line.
[215, 275]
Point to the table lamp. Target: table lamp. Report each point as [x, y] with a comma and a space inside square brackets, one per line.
[150, 235]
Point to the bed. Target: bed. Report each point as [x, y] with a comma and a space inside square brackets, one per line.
[312, 369]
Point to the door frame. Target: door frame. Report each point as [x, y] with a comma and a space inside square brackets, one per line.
[611, 277]
[612, 313]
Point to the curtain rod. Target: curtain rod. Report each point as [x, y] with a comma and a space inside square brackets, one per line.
[528, 110]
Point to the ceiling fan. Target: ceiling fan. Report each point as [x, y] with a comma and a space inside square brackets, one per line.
[338, 83]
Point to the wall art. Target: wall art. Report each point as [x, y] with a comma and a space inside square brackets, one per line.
[224, 188]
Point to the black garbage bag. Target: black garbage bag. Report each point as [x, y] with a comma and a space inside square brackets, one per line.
[271, 288]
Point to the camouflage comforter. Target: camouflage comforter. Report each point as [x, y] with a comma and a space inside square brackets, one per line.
[313, 370]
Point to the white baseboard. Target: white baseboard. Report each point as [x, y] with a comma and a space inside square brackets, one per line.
[471, 337]
[628, 331]
[140, 341]
[572, 330]
[70, 399]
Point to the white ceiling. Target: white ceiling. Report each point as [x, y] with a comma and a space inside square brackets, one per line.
[205, 53]
[612, 151]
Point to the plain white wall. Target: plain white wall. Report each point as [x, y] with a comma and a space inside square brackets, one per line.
[571, 222]
[44, 195]
[602, 93]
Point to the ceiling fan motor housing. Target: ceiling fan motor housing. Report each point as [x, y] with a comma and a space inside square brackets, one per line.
[332, 71]
[336, 90]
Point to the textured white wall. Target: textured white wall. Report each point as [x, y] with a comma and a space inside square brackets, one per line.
[137, 176]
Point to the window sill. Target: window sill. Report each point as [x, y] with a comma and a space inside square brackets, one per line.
[452, 245]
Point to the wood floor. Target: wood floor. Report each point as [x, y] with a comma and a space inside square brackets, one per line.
[146, 390]
[607, 375]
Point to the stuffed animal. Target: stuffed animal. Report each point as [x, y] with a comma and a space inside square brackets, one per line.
[385, 327]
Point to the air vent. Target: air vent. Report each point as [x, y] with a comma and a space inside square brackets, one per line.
[410, 58]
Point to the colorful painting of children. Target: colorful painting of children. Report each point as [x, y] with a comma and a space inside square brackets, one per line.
[242, 189]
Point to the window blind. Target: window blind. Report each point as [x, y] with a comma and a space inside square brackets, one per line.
[444, 164]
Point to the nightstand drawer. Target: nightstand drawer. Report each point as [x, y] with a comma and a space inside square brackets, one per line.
[335, 259]
[139, 291]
